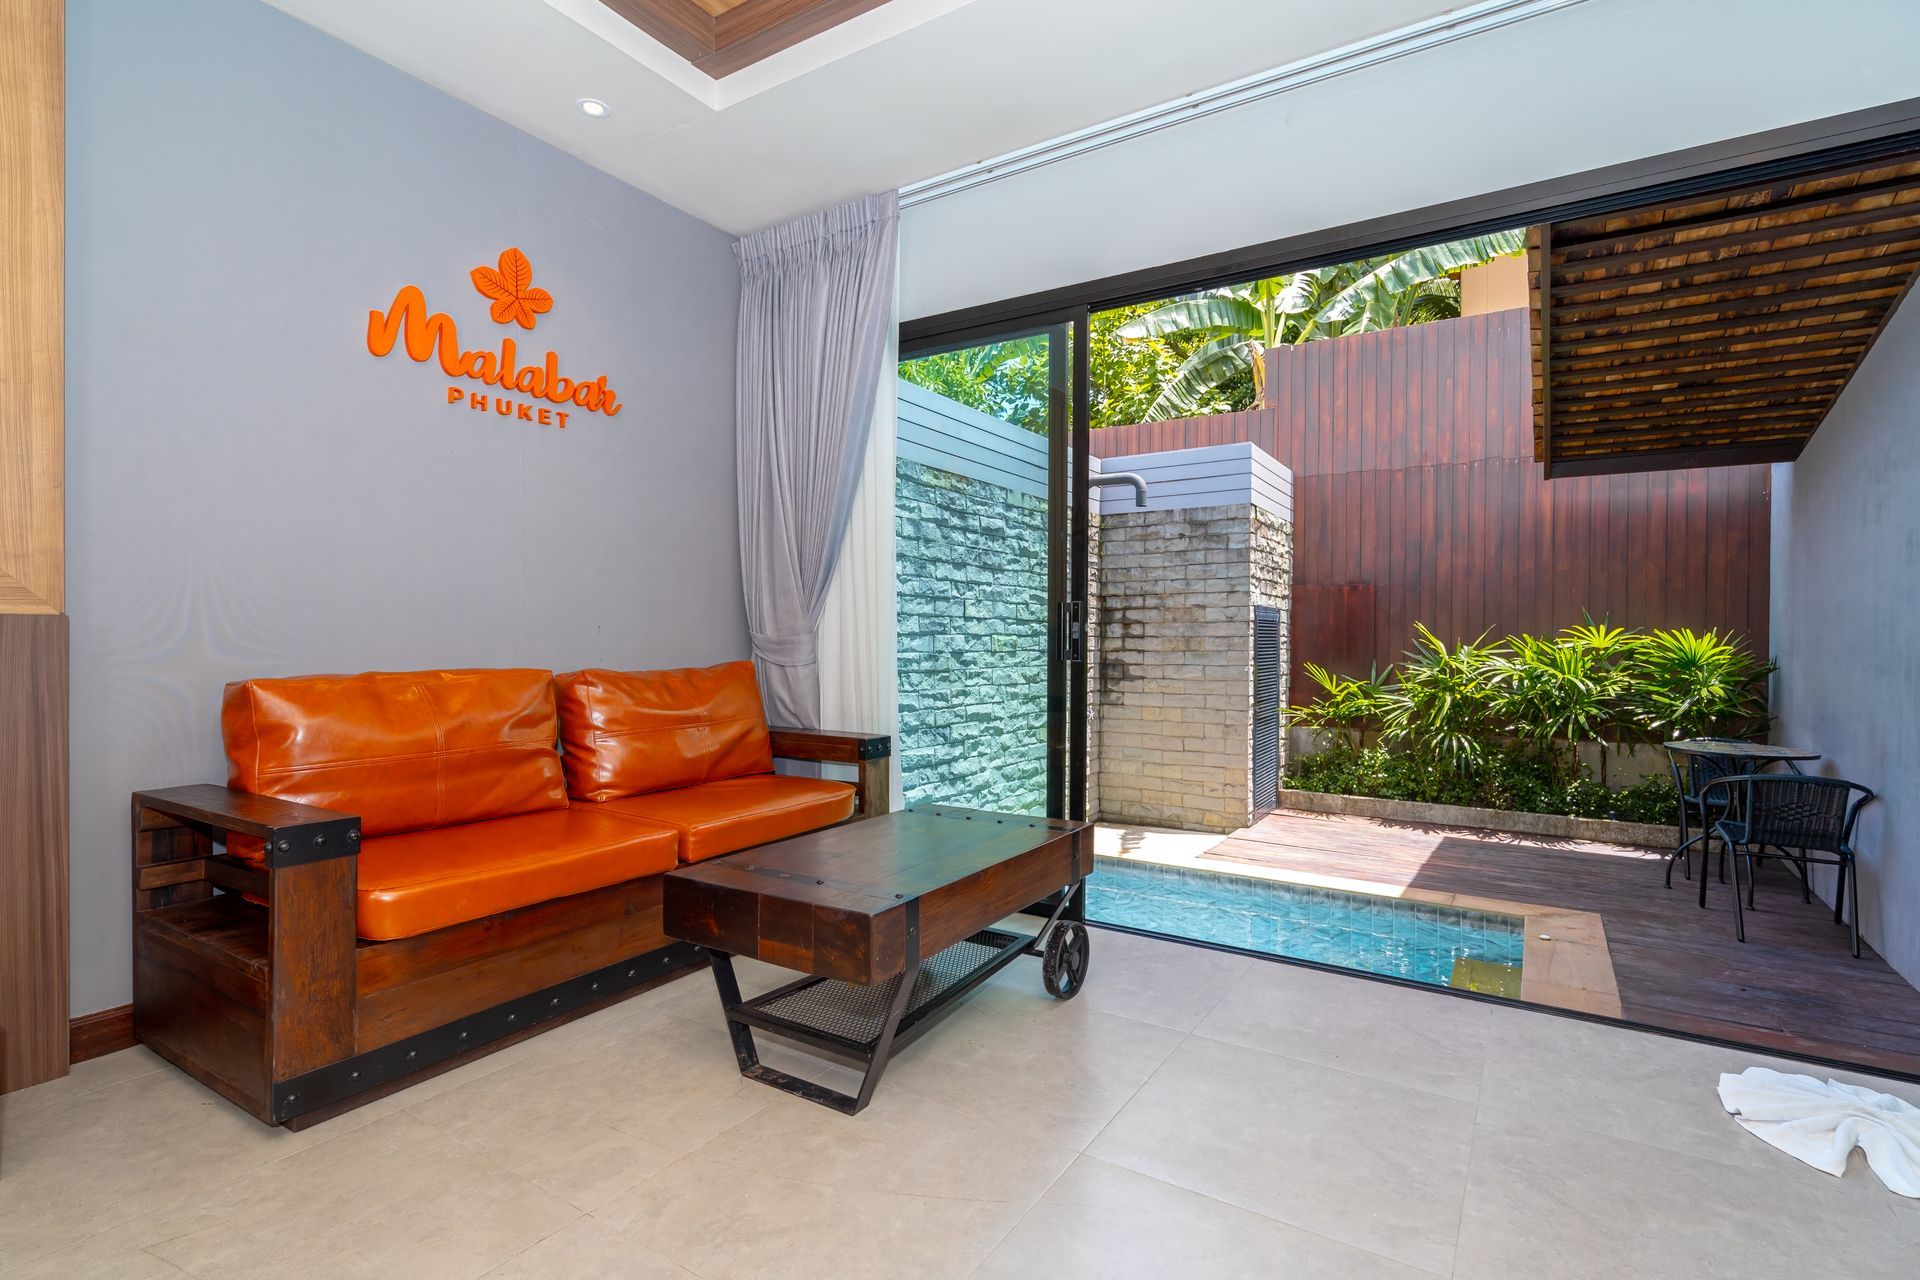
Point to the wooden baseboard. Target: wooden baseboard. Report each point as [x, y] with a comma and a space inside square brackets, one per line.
[94, 1035]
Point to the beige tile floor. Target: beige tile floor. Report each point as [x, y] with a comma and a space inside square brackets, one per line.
[1193, 1114]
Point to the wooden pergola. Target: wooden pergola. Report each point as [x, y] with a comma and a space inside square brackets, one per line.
[1717, 329]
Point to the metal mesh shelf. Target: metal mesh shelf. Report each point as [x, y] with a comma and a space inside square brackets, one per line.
[856, 1015]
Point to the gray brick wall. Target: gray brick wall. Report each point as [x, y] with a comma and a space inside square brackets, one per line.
[1175, 690]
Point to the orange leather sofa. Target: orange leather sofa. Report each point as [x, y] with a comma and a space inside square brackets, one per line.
[413, 869]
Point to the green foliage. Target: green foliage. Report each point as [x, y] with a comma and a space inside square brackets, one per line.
[1203, 354]
[1499, 725]
[1512, 778]
[1006, 380]
[1444, 704]
[1347, 709]
[1687, 684]
[1009, 380]
[1238, 323]
[1559, 691]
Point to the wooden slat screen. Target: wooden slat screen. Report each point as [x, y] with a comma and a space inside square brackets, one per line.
[1412, 457]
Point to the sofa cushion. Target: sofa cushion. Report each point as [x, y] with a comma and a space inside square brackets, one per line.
[420, 881]
[405, 751]
[734, 813]
[632, 732]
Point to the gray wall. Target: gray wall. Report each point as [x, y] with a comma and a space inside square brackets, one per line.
[1846, 620]
[252, 493]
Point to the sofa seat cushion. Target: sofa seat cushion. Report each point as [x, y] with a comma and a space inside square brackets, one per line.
[420, 881]
[629, 732]
[735, 813]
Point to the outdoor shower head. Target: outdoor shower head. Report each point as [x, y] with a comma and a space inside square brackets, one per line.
[1125, 477]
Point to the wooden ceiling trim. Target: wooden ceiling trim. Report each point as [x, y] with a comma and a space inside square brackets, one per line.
[1745, 304]
[1606, 243]
[1788, 360]
[1721, 396]
[1756, 326]
[1594, 443]
[1853, 271]
[720, 37]
[1873, 217]
[1631, 462]
[681, 25]
[1716, 327]
[1738, 266]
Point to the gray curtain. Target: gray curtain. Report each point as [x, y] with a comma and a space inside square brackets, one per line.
[816, 298]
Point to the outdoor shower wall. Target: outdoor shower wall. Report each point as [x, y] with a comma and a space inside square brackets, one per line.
[971, 549]
[1176, 588]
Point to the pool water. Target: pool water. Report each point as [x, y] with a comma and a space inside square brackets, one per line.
[1447, 946]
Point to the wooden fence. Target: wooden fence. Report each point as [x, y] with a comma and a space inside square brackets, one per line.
[1416, 498]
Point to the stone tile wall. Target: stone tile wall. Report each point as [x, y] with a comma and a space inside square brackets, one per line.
[972, 572]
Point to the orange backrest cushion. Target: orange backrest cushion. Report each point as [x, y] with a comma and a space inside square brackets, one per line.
[405, 750]
[629, 732]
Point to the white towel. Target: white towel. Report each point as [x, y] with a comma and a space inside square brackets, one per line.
[1822, 1123]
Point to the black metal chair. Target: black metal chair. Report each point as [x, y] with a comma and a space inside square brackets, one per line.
[1693, 772]
[1798, 818]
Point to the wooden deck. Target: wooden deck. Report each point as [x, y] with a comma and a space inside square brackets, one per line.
[1791, 987]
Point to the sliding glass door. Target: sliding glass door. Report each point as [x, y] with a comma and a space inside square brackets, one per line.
[991, 666]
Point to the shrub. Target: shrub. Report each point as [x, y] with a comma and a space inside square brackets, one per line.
[1499, 725]
[1560, 691]
[1347, 709]
[1443, 704]
[1686, 684]
[1649, 800]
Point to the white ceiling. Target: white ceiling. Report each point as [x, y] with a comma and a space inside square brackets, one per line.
[927, 86]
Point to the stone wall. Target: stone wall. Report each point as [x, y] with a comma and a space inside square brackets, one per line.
[972, 568]
[1175, 679]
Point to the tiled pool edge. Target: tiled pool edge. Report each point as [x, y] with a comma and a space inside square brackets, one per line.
[1565, 961]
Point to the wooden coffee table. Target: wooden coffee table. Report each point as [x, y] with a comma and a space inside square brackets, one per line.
[894, 920]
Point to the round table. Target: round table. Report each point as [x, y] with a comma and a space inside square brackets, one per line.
[1767, 751]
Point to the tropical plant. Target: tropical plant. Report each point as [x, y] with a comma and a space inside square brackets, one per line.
[1688, 684]
[1443, 704]
[1006, 380]
[1347, 708]
[1499, 725]
[1556, 692]
[1010, 380]
[1233, 327]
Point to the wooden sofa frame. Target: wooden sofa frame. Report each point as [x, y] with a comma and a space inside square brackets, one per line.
[265, 993]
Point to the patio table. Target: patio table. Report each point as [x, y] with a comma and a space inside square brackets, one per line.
[1764, 752]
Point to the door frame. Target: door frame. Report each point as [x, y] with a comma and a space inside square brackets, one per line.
[1069, 419]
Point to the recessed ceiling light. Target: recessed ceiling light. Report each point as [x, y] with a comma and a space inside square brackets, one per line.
[592, 107]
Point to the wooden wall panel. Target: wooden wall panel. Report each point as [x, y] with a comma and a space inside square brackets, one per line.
[33, 631]
[33, 849]
[32, 214]
[1414, 478]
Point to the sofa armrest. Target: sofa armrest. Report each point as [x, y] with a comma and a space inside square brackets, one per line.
[308, 890]
[292, 833]
[872, 753]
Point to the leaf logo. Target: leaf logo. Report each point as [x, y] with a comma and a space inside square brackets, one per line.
[515, 300]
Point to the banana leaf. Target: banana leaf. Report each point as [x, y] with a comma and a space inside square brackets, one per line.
[1417, 266]
[1211, 364]
[1219, 312]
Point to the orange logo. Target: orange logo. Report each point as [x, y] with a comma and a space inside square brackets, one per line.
[511, 288]
[434, 335]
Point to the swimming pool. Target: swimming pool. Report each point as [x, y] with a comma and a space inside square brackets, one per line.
[1446, 946]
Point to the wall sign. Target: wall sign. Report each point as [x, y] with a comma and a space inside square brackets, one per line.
[513, 299]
